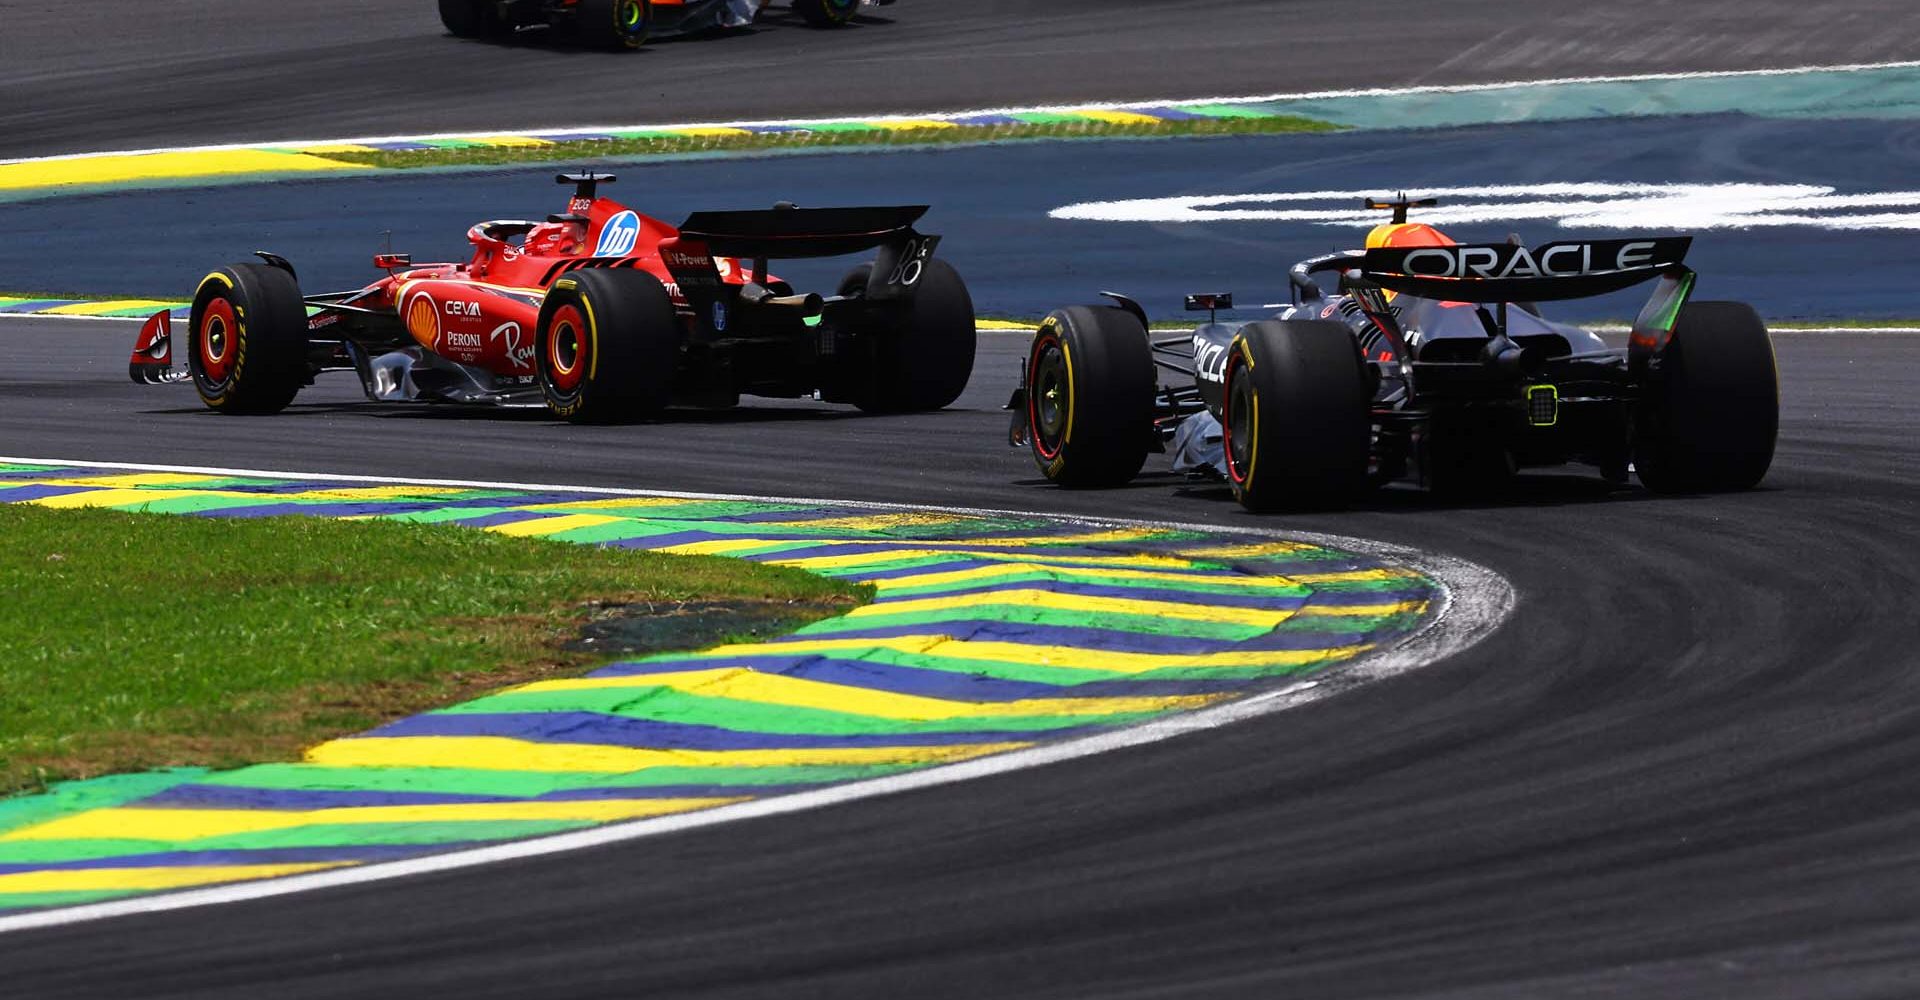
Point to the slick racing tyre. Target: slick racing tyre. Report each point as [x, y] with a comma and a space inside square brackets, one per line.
[1297, 422]
[612, 24]
[474, 19]
[608, 344]
[827, 13]
[1711, 409]
[247, 342]
[918, 353]
[1090, 389]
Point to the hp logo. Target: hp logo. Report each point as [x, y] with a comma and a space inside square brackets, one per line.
[617, 239]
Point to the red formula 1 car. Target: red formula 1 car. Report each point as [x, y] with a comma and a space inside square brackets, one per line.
[600, 313]
[628, 24]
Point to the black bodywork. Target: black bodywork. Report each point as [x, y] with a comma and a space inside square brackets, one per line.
[1469, 380]
[664, 21]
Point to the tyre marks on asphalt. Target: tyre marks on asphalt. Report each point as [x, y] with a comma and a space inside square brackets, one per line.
[988, 634]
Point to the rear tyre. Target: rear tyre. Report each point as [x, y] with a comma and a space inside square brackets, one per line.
[1090, 389]
[1297, 422]
[1712, 406]
[474, 19]
[608, 344]
[827, 13]
[919, 353]
[247, 343]
[616, 25]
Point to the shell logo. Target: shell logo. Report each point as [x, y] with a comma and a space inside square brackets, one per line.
[423, 320]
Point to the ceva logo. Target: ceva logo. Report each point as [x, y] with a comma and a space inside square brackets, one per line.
[619, 235]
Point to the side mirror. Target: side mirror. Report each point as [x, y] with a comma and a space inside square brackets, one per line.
[1308, 290]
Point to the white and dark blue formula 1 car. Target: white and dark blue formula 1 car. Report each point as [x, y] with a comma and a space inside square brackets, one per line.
[1415, 358]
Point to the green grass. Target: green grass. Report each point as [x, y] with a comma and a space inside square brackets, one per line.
[667, 144]
[132, 641]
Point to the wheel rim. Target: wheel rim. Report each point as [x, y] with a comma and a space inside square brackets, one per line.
[1239, 424]
[630, 16]
[216, 341]
[1049, 397]
[566, 349]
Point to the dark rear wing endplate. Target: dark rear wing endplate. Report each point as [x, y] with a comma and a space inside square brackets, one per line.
[1505, 272]
[801, 232]
[785, 232]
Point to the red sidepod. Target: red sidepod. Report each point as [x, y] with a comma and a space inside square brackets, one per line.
[474, 324]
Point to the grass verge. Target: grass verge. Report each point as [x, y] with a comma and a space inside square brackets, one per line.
[134, 641]
[667, 143]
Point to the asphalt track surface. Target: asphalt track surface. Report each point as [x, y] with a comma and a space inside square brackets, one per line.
[75, 76]
[1684, 769]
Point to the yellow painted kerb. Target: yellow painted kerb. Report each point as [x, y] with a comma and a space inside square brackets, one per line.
[160, 166]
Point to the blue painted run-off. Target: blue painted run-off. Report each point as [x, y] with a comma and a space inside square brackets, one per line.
[991, 203]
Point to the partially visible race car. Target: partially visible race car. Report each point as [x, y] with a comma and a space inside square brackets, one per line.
[599, 313]
[1428, 360]
[628, 24]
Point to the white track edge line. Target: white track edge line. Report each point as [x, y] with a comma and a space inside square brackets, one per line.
[1464, 88]
[1474, 602]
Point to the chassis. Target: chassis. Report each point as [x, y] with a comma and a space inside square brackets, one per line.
[628, 24]
[599, 313]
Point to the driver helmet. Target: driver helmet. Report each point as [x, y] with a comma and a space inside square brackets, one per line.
[555, 239]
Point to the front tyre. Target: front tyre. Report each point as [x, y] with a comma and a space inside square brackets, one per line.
[608, 344]
[1090, 394]
[615, 25]
[918, 352]
[827, 13]
[247, 342]
[1711, 408]
[1297, 420]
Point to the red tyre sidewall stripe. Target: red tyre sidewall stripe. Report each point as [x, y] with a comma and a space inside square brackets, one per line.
[1234, 364]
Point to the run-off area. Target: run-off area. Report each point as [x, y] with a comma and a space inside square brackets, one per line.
[1034, 226]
